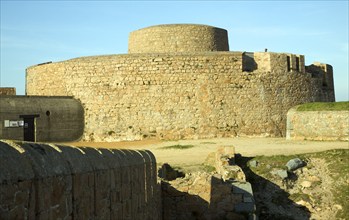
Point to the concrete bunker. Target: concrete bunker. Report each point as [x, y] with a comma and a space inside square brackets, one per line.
[41, 118]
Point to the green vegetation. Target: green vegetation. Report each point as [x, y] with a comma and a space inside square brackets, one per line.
[324, 106]
[300, 196]
[177, 146]
[208, 168]
[207, 142]
[266, 163]
[338, 166]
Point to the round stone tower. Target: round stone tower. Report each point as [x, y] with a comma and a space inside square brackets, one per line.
[178, 38]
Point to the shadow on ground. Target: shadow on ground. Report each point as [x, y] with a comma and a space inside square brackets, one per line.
[272, 202]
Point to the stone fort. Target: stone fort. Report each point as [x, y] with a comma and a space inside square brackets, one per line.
[181, 81]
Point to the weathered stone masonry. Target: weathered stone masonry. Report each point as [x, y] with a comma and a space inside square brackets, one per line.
[178, 38]
[45, 181]
[184, 95]
[317, 125]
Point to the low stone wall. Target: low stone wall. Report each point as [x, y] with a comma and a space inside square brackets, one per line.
[45, 181]
[225, 164]
[317, 125]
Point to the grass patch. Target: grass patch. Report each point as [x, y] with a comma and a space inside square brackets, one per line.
[208, 168]
[324, 106]
[300, 196]
[178, 147]
[208, 142]
[338, 165]
[267, 163]
[193, 168]
[338, 161]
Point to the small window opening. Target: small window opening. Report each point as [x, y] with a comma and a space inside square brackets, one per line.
[288, 63]
[297, 64]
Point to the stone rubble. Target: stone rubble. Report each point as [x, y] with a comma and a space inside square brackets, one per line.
[222, 195]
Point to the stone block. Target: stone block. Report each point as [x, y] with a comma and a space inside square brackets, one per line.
[242, 188]
[253, 163]
[281, 173]
[294, 164]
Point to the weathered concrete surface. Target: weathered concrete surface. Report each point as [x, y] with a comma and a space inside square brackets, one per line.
[317, 125]
[45, 181]
[61, 119]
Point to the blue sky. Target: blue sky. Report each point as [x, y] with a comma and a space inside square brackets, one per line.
[34, 32]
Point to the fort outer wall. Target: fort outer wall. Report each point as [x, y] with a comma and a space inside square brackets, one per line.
[41, 181]
[183, 95]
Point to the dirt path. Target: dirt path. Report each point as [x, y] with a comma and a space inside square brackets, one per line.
[201, 148]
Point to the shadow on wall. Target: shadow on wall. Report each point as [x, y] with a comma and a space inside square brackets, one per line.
[207, 198]
[181, 205]
[272, 202]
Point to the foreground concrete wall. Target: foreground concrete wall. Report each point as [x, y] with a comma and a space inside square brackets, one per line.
[317, 125]
[175, 96]
[58, 119]
[40, 181]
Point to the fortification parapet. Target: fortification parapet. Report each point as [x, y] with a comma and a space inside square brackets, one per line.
[178, 38]
[323, 73]
[7, 91]
[267, 61]
[46, 181]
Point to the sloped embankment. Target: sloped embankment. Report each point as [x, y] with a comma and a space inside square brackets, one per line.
[317, 190]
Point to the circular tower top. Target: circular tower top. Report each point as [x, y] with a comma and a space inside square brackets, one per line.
[178, 38]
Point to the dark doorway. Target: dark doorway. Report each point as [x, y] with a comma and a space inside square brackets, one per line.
[29, 127]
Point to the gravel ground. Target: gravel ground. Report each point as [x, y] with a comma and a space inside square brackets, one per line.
[246, 146]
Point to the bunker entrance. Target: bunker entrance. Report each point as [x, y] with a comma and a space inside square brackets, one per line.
[29, 127]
